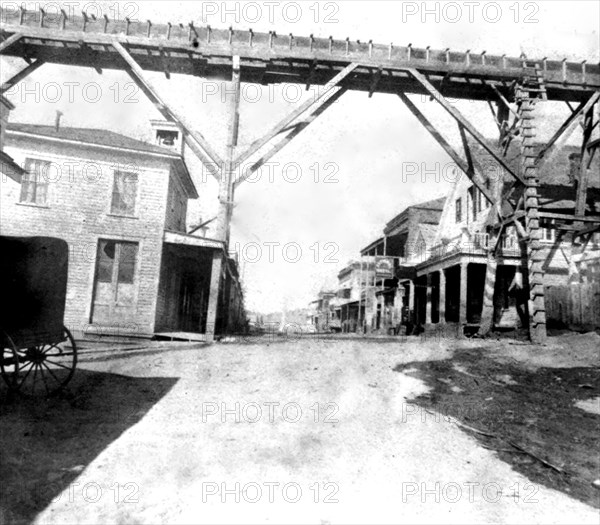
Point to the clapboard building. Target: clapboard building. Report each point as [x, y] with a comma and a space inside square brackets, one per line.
[121, 204]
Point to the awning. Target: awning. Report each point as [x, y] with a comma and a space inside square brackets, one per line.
[386, 291]
[191, 240]
[406, 272]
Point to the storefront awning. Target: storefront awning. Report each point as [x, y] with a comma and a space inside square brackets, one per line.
[406, 272]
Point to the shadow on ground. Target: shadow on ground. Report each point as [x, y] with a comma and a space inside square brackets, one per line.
[45, 444]
[505, 405]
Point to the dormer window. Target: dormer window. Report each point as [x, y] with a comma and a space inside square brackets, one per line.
[166, 137]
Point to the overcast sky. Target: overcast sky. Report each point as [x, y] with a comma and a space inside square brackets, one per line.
[363, 147]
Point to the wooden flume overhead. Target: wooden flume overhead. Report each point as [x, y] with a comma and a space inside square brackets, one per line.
[271, 58]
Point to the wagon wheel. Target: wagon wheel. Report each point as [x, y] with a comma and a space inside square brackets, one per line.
[8, 359]
[42, 370]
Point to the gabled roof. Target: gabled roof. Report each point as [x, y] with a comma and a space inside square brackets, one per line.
[92, 136]
[428, 232]
[435, 204]
[107, 139]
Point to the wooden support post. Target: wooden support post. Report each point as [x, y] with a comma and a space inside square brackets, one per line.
[537, 310]
[429, 298]
[226, 184]
[487, 312]
[462, 305]
[213, 296]
[411, 296]
[442, 297]
[225, 203]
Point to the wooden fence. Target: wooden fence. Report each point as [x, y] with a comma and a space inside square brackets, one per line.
[575, 304]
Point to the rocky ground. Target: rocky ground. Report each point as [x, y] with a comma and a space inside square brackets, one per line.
[312, 430]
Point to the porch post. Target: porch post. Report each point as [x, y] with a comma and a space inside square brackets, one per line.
[462, 307]
[213, 295]
[411, 295]
[442, 297]
[429, 298]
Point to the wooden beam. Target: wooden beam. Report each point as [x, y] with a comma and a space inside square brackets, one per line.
[15, 79]
[11, 40]
[589, 229]
[473, 175]
[209, 157]
[226, 184]
[567, 217]
[568, 126]
[459, 117]
[296, 129]
[281, 126]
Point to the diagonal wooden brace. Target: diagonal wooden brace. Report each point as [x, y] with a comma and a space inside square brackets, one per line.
[476, 177]
[461, 119]
[11, 40]
[283, 124]
[16, 78]
[194, 140]
[566, 128]
[295, 130]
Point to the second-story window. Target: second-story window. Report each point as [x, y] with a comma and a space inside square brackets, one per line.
[34, 183]
[458, 210]
[124, 193]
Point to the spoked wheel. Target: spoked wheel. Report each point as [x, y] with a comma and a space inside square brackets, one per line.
[41, 370]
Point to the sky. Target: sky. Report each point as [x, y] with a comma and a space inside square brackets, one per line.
[331, 190]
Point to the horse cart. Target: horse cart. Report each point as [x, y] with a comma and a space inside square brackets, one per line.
[39, 354]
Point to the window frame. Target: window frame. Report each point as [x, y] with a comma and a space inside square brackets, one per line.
[458, 217]
[36, 184]
[117, 212]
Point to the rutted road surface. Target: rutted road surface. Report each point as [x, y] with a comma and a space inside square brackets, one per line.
[309, 431]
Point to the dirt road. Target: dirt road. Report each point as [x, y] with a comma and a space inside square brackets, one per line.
[307, 431]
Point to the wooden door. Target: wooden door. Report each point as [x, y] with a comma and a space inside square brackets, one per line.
[114, 301]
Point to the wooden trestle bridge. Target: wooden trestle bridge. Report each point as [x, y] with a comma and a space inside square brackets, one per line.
[512, 86]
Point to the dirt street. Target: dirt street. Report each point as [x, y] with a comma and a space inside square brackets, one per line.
[306, 431]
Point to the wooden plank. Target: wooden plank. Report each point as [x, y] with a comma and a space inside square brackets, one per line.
[566, 216]
[459, 117]
[286, 121]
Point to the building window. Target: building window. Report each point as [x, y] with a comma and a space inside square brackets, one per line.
[548, 232]
[34, 183]
[458, 210]
[124, 193]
